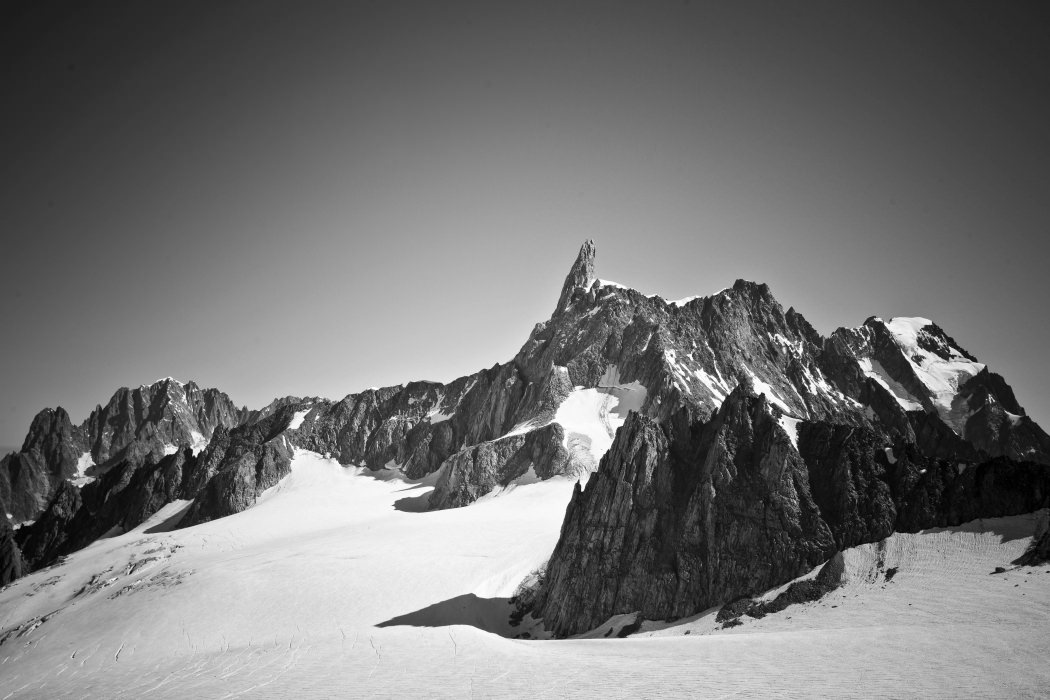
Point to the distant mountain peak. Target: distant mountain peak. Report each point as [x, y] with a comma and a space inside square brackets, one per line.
[580, 276]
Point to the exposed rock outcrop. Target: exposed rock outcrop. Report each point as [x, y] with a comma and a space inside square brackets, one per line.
[476, 470]
[49, 454]
[12, 565]
[849, 481]
[167, 411]
[252, 459]
[682, 516]
[134, 426]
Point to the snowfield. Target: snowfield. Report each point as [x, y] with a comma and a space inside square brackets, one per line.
[941, 377]
[326, 588]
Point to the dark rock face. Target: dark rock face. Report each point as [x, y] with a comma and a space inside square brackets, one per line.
[476, 470]
[47, 538]
[941, 493]
[1039, 551]
[167, 411]
[12, 565]
[580, 275]
[236, 470]
[682, 516]
[829, 578]
[848, 476]
[49, 455]
[135, 425]
[225, 478]
[124, 497]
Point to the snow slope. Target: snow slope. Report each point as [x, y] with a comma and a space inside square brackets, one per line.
[941, 377]
[590, 417]
[326, 588]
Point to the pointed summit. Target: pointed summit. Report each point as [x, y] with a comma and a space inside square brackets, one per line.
[580, 275]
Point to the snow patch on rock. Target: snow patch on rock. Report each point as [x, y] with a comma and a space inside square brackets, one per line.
[590, 417]
[84, 462]
[940, 376]
[872, 368]
[297, 419]
[762, 388]
[790, 426]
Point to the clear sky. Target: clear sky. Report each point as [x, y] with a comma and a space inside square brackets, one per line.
[276, 200]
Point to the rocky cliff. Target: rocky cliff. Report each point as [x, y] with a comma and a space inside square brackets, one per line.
[152, 420]
[683, 516]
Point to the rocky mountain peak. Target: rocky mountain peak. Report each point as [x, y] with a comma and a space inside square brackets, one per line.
[48, 422]
[757, 290]
[580, 275]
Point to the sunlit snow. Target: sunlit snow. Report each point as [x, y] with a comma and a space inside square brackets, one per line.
[942, 377]
[84, 462]
[326, 588]
[872, 368]
[762, 388]
[790, 426]
[297, 419]
[590, 417]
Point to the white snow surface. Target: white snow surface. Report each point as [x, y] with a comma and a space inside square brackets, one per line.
[297, 419]
[762, 388]
[790, 426]
[165, 379]
[84, 462]
[941, 377]
[716, 386]
[286, 599]
[874, 369]
[197, 442]
[590, 417]
[437, 416]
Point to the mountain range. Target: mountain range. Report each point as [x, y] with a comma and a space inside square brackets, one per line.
[720, 447]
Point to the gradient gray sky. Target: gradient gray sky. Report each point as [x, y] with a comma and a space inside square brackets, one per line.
[274, 200]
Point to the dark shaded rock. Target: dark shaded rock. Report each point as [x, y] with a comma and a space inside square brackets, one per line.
[12, 565]
[166, 411]
[1038, 552]
[999, 426]
[847, 476]
[631, 627]
[133, 425]
[683, 516]
[197, 474]
[938, 493]
[830, 577]
[476, 470]
[49, 454]
[47, 538]
[124, 497]
[580, 275]
[257, 456]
